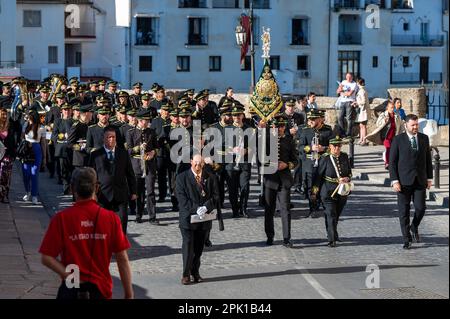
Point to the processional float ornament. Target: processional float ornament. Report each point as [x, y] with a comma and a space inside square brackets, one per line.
[266, 100]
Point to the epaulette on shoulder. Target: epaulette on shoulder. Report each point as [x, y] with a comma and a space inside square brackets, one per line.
[305, 128]
[325, 154]
[93, 125]
[75, 124]
[327, 126]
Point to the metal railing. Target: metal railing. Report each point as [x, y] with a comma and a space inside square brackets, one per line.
[350, 38]
[417, 40]
[437, 104]
[414, 78]
[227, 4]
[192, 4]
[347, 4]
[8, 64]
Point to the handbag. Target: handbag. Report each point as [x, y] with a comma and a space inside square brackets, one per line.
[25, 151]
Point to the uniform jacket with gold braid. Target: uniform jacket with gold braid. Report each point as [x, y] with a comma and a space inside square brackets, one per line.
[135, 137]
[61, 127]
[325, 134]
[245, 161]
[78, 132]
[326, 180]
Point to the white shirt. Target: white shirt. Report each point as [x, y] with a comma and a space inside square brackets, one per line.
[348, 87]
[108, 151]
[40, 133]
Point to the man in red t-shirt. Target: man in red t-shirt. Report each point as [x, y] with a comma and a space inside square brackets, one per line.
[85, 236]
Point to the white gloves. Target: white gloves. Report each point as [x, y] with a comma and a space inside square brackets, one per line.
[201, 211]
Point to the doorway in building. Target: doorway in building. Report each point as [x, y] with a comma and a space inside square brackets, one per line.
[424, 69]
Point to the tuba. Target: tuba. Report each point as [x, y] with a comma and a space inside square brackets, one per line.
[56, 81]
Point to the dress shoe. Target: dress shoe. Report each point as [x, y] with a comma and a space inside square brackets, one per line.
[415, 235]
[332, 244]
[198, 279]
[208, 243]
[407, 245]
[287, 243]
[186, 281]
[269, 242]
[139, 220]
[154, 221]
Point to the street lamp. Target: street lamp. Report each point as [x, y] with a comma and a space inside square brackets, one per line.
[241, 40]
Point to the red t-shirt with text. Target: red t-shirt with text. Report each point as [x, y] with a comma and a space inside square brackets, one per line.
[71, 236]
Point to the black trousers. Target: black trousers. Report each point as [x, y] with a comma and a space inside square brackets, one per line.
[65, 293]
[173, 182]
[298, 178]
[162, 168]
[333, 210]
[192, 250]
[238, 181]
[416, 193]
[146, 193]
[120, 209]
[66, 171]
[307, 182]
[270, 197]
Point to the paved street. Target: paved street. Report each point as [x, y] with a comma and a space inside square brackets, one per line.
[239, 265]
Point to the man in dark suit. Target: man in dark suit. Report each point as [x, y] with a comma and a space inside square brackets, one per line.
[411, 172]
[115, 176]
[197, 193]
[280, 183]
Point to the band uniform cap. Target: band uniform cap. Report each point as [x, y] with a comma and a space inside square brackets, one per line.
[174, 112]
[291, 102]
[185, 105]
[112, 83]
[166, 107]
[144, 115]
[158, 88]
[229, 103]
[66, 106]
[315, 114]
[45, 89]
[7, 85]
[123, 94]
[337, 141]
[102, 82]
[83, 88]
[225, 110]
[76, 106]
[86, 108]
[104, 110]
[121, 109]
[237, 109]
[132, 112]
[60, 95]
[201, 95]
[154, 86]
[103, 100]
[93, 83]
[137, 85]
[146, 97]
[280, 120]
[185, 112]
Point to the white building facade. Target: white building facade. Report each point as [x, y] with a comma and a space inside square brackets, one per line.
[191, 43]
[77, 40]
[8, 40]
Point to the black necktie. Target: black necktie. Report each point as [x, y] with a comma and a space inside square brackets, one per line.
[111, 156]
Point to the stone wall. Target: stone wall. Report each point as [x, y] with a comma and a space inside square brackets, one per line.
[414, 101]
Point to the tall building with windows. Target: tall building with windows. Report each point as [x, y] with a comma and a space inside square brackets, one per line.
[8, 40]
[192, 43]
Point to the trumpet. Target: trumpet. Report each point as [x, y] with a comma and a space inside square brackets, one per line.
[142, 154]
[315, 154]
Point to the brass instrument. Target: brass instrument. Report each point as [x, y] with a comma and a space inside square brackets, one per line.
[142, 154]
[315, 154]
[56, 81]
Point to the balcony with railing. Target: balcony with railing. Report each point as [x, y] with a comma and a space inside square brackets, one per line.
[401, 40]
[85, 31]
[9, 69]
[347, 4]
[192, 4]
[350, 38]
[415, 78]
